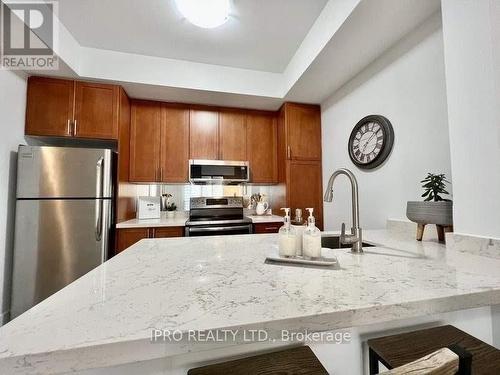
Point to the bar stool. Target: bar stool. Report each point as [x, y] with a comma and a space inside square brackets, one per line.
[296, 361]
[394, 351]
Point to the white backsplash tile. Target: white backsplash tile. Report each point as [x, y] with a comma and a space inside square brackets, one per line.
[183, 192]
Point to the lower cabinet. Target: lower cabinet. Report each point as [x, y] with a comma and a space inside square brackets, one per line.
[127, 237]
[261, 228]
[167, 232]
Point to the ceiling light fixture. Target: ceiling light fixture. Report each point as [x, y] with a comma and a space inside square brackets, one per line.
[204, 13]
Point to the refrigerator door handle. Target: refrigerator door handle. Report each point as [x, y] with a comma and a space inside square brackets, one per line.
[99, 193]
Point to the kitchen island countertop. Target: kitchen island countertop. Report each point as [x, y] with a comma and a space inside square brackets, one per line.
[106, 317]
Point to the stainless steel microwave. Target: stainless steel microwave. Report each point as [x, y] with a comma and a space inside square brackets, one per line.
[218, 171]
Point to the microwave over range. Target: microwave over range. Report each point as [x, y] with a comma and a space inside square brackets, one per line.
[218, 171]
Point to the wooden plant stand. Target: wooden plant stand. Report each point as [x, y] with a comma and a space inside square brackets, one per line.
[441, 231]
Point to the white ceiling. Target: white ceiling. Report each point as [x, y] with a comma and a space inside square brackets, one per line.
[260, 34]
[284, 59]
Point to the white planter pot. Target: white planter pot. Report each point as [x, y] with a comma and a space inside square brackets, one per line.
[439, 213]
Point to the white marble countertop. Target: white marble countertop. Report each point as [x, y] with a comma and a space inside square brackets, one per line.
[105, 318]
[179, 220]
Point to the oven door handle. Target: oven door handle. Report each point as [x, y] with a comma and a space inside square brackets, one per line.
[216, 229]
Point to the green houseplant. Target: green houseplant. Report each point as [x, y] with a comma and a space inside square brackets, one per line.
[434, 209]
[434, 184]
[168, 206]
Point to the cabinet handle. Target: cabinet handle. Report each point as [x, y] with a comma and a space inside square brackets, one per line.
[75, 128]
[161, 174]
[68, 127]
[289, 152]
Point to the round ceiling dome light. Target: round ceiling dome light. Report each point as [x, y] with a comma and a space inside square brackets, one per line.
[204, 13]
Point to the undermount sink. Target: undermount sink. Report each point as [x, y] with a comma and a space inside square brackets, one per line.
[333, 242]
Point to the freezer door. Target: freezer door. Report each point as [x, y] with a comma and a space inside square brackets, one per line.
[63, 172]
[56, 242]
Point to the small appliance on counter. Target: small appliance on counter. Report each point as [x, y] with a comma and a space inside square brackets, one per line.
[148, 208]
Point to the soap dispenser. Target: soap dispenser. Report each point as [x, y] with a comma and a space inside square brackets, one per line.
[287, 237]
[299, 226]
[311, 240]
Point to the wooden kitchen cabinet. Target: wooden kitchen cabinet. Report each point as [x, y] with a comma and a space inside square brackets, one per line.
[145, 131]
[167, 232]
[174, 145]
[261, 228]
[49, 107]
[233, 135]
[96, 111]
[127, 237]
[262, 147]
[203, 134]
[65, 108]
[300, 172]
[304, 188]
[303, 131]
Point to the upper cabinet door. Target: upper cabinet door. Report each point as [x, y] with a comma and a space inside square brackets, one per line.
[96, 110]
[145, 141]
[204, 135]
[303, 131]
[232, 136]
[262, 148]
[174, 144]
[304, 188]
[49, 108]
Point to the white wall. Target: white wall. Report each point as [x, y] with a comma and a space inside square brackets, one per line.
[12, 109]
[407, 85]
[472, 54]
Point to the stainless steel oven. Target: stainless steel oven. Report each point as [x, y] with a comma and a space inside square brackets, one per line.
[216, 217]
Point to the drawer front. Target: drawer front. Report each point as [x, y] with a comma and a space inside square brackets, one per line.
[267, 227]
[167, 232]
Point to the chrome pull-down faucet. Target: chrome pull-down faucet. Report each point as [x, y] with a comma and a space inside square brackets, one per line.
[355, 238]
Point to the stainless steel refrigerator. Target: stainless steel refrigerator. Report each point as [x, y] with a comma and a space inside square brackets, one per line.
[64, 217]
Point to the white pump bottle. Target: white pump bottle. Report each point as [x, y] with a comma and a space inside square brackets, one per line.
[287, 237]
[311, 241]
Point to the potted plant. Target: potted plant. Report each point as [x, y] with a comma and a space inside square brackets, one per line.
[171, 207]
[168, 206]
[434, 209]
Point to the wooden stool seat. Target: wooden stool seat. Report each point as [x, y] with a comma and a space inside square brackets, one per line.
[398, 350]
[296, 361]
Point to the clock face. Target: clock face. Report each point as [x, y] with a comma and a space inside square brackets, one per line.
[371, 141]
[368, 142]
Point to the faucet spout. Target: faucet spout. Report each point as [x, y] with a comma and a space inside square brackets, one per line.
[355, 238]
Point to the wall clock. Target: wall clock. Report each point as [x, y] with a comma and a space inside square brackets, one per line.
[371, 141]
